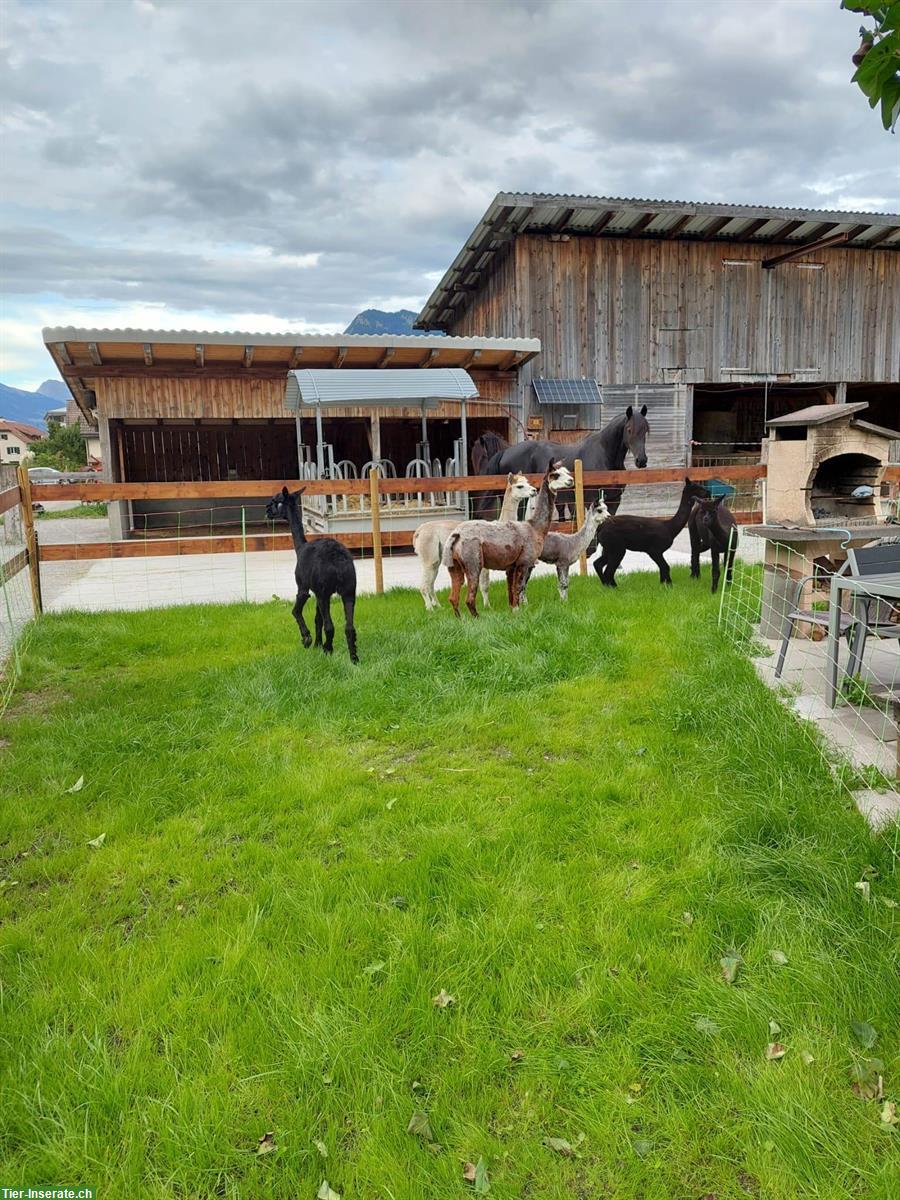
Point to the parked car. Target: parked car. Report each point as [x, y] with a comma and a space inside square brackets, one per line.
[45, 475]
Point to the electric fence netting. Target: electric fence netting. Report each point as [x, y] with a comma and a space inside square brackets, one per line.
[17, 606]
[828, 642]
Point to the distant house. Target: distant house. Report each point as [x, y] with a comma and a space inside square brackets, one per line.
[90, 433]
[16, 440]
[55, 416]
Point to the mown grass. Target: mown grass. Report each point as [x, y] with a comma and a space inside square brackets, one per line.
[520, 811]
[96, 508]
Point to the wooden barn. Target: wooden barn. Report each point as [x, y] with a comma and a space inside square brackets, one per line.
[717, 316]
[191, 407]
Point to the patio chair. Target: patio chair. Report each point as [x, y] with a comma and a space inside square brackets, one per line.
[874, 559]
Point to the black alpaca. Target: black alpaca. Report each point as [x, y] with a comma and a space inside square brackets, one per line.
[323, 568]
[652, 535]
[713, 528]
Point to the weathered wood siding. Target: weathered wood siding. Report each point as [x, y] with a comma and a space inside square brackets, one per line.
[628, 311]
[168, 398]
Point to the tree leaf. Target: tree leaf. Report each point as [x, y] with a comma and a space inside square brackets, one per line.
[863, 888]
[867, 1075]
[707, 1026]
[477, 1173]
[774, 1051]
[778, 957]
[420, 1126]
[731, 964]
[687, 918]
[864, 1034]
[559, 1146]
[374, 967]
[322, 1148]
[390, 804]
[482, 1183]
[642, 1147]
[889, 1113]
[443, 999]
[98, 841]
[77, 785]
[517, 1056]
[327, 1192]
[806, 1058]
[774, 1029]
[266, 1144]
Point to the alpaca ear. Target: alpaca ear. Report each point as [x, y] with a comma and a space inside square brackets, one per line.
[629, 412]
[510, 477]
[687, 479]
[720, 500]
[285, 494]
[644, 411]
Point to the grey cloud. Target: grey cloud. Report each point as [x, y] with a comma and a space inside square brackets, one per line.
[374, 133]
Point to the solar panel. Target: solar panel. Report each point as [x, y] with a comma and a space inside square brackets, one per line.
[567, 391]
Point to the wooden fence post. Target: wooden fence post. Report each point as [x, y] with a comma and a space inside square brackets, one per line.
[376, 530]
[34, 571]
[579, 509]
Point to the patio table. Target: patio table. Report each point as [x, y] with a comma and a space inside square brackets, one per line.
[863, 589]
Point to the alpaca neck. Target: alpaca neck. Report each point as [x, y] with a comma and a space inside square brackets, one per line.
[584, 535]
[678, 522]
[509, 510]
[543, 511]
[296, 524]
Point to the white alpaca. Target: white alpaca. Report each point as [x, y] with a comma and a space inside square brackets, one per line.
[429, 539]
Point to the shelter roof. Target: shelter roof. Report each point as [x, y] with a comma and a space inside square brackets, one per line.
[84, 355]
[379, 388]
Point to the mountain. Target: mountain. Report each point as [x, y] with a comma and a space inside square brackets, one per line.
[56, 390]
[373, 320]
[19, 405]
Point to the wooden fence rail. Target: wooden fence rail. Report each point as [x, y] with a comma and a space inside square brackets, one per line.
[375, 540]
[251, 488]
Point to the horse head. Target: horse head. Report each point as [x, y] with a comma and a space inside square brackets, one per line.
[635, 434]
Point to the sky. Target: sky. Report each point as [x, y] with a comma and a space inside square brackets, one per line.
[278, 166]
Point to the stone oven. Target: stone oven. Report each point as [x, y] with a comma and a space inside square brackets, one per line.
[824, 471]
[817, 459]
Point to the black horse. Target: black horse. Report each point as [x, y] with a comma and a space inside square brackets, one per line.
[603, 450]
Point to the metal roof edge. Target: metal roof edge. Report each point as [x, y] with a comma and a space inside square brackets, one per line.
[52, 335]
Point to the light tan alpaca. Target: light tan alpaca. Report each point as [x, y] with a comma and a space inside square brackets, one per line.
[430, 538]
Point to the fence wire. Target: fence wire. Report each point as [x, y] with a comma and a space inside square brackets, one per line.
[16, 604]
[778, 616]
[195, 569]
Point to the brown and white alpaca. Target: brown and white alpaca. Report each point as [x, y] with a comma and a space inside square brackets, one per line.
[513, 546]
[431, 537]
[564, 549]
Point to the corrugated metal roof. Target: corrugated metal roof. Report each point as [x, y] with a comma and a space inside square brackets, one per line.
[380, 388]
[511, 214]
[181, 337]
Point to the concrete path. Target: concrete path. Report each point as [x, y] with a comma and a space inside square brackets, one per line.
[136, 583]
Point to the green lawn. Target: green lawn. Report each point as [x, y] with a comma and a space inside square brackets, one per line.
[564, 819]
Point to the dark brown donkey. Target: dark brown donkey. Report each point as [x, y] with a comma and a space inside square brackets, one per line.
[513, 546]
[712, 528]
[652, 535]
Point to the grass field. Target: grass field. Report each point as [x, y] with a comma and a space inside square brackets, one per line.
[564, 820]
